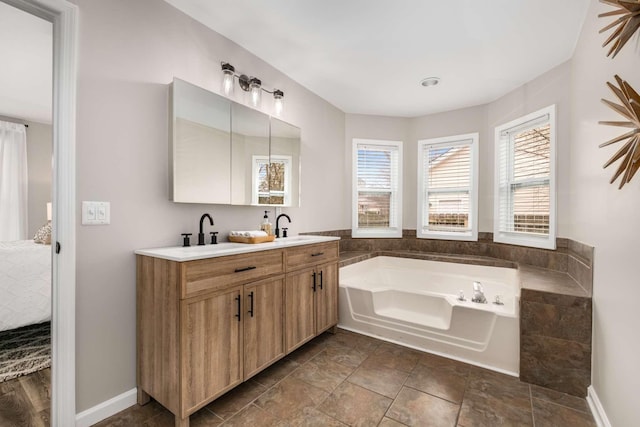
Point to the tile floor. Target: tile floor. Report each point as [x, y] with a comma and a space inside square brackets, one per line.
[349, 379]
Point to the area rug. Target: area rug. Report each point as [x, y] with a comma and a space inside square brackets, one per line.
[25, 350]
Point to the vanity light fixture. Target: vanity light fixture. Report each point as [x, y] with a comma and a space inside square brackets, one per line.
[253, 85]
[430, 81]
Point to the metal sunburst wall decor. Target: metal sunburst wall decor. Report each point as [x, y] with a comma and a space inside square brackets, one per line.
[630, 151]
[626, 25]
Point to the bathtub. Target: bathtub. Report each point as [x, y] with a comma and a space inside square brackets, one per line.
[415, 303]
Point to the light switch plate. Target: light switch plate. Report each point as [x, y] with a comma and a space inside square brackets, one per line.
[96, 213]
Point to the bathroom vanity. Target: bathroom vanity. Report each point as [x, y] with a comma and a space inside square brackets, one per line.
[210, 317]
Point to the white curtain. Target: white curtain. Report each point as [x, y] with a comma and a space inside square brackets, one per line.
[13, 182]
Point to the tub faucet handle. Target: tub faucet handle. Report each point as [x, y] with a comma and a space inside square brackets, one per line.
[498, 300]
[461, 296]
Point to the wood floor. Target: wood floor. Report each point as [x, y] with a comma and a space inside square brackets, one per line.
[26, 401]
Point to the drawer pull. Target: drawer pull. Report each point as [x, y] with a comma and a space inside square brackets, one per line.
[251, 303]
[320, 280]
[251, 267]
[238, 314]
[318, 254]
[314, 281]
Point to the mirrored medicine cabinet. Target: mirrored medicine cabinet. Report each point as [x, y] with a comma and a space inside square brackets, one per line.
[222, 152]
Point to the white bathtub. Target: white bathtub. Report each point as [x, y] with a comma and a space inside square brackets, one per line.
[415, 303]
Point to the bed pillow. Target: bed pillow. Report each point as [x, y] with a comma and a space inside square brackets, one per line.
[43, 235]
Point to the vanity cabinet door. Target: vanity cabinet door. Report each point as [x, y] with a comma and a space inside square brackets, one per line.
[326, 297]
[211, 346]
[263, 324]
[299, 308]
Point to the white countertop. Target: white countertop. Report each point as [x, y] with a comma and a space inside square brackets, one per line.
[180, 254]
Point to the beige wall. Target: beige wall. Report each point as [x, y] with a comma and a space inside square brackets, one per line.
[129, 51]
[603, 216]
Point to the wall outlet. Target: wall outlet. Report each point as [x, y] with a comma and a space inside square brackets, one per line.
[96, 213]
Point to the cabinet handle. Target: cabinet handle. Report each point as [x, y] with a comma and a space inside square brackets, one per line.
[251, 267]
[318, 254]
[314, 281]
[238, 300]
[321, 279]
[251, 303]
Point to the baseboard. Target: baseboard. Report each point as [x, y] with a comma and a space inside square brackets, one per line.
[597, 410]
[107, 408]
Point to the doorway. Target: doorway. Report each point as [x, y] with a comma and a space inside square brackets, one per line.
[63, 17]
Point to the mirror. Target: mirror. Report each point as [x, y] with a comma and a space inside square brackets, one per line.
[249, 149]
[223, 152]
[284, 167]
[200, 149]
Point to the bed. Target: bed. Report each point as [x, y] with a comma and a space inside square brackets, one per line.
[25, 283]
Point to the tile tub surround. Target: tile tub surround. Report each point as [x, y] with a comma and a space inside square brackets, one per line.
[350, 379]
[570, 257]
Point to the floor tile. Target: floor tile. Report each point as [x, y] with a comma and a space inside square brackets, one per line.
[446, 382]
[394, 356]
[489, 385]
[228, 404]
[382, 380]
[559, 398]
[133, 416]
[252, 416]
[415, 408]
[289, 397]
[344, 355]
[322, 372]
[547, 414]
[435, 361]
[310, 417]
[275, 372]
[388, 422]
[306, 352]
[482, 411]
[355, 406]
[358, 342]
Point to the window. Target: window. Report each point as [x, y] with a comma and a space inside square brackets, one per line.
[271, 181]
[377, 184]
[448, 188]
[525, 188]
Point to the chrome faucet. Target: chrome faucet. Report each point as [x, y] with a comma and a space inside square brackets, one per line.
[478, 293]
[284, 234]
[201, 233]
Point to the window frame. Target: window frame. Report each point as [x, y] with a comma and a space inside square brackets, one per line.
[258, 160]
[521, 238]
[395, 218]
[449, 141]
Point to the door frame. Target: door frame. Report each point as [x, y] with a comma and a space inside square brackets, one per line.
[64, 17]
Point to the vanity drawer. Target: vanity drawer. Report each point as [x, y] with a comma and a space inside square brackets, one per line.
[217, 273]
[309, 255]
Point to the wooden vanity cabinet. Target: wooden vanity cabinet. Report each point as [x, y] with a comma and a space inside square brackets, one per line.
[311, 292]
[206, 326]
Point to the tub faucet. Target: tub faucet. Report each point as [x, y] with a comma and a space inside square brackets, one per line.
[478, 293]
[201, 233]
[278, 227]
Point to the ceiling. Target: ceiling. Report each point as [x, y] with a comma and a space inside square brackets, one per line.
[369, 56]
[26, 46]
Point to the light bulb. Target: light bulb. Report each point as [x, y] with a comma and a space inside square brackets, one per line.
[278, 102]
[227, 80]
[256, 92]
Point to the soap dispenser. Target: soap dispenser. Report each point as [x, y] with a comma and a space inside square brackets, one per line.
[266, 225]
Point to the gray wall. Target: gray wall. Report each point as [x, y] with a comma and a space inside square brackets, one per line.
[129, 52]
[606, 218]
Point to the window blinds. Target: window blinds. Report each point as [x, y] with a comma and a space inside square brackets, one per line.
[377, 185]
[447, 183]
[524, 181]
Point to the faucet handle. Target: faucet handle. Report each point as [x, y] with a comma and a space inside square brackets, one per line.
[185, 240]
[498, 300]
[461, 296]
[284, 232]
[214, 237]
